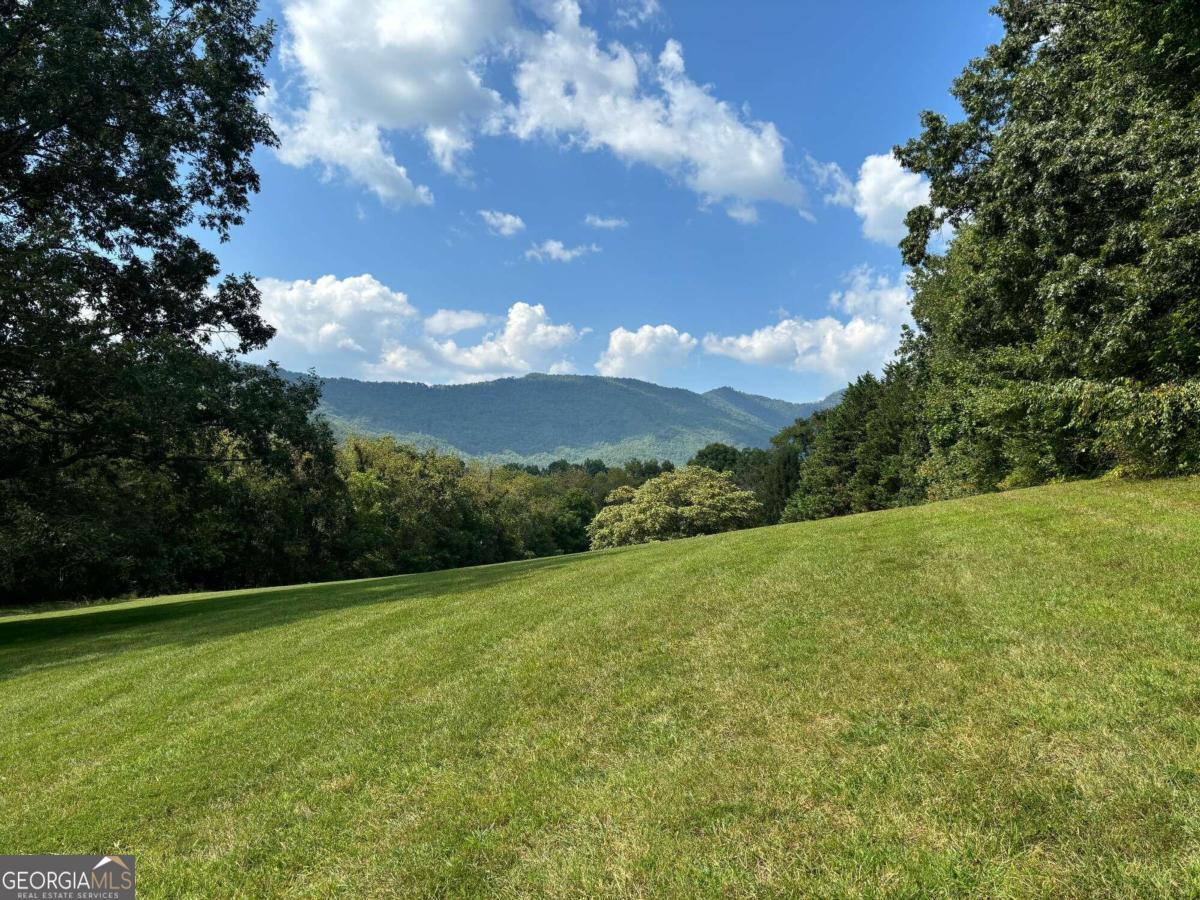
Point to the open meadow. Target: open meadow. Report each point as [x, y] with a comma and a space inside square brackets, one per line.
[997, 696]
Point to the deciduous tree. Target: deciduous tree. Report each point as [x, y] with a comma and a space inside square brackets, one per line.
[682, 503]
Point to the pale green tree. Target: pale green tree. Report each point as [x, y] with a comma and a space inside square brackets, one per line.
[687, 502]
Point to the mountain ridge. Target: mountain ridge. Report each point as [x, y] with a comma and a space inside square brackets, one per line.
[538, 418]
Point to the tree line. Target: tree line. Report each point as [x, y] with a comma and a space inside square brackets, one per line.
[1055, 273]
[315, 510]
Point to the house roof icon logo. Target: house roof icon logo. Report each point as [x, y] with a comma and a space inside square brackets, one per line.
[111, 859]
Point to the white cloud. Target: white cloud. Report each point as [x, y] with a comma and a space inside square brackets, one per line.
[404, 363]
[446, 146]
[528, 341]
[329, 314]
[744, 213]
[366, 67]
[636, 13]
[873, 296]
[358, 326]
[876, 308]
[556, 251]
[502, 223]
[604, 222]
[645, 353]
[356, 148]
[364, 72]
[452, 321]
[829, 177]
[647, 111]
[882, 195]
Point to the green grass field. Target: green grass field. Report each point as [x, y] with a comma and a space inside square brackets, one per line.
[992, 697]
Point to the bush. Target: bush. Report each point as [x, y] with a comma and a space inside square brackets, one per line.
[1142, 430]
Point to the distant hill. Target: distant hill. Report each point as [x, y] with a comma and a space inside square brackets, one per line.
[540, 418]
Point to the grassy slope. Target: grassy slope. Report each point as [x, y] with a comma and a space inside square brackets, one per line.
[995, 696]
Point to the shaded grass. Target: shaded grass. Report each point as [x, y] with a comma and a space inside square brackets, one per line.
[991, 697]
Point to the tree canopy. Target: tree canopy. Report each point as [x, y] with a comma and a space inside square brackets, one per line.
[122, 127]
[1060, 329]
[687, 502]
[135, 451]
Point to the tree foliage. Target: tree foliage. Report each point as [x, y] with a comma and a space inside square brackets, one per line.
[122, 126]
[415, 510]
[1058, 327]
[717, 456]
[863, 454]
[769, 474]
[1064, 316]
[220, 508]
[691, 501]
[135, 453]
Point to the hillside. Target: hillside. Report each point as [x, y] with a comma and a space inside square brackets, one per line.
[988, 697]
[540, 418]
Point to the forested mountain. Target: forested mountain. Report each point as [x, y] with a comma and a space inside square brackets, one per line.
[540, 418]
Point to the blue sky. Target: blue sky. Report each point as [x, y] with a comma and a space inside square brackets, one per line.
[694, 193]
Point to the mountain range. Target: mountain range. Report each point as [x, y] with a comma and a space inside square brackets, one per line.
[541, 418]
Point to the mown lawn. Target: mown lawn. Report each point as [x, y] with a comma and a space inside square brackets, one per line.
[991, 697]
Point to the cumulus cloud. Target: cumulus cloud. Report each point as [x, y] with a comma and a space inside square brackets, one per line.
[873, 296]
[875, 307]
[502, 223]
[556, 251]
[647, 111]
[607, 223]
[452, 321]
[528, 341]
[356, 148]
[367, 67]
[403, 363]
[331, 314]
[882, 196]
[645, 353]
[364, 72]
[358, 326]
